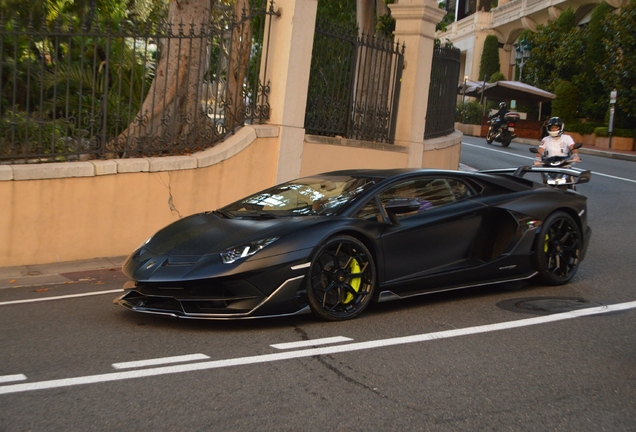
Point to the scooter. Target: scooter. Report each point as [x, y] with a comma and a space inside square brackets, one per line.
[558, 178]
[504, 133]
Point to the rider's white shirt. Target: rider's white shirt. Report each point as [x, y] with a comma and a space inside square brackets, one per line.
[559, 146]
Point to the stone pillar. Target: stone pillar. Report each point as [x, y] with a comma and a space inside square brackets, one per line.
[289, 60]
[415, 22]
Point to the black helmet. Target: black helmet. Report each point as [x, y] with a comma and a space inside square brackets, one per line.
[555, 121]
[502, 105]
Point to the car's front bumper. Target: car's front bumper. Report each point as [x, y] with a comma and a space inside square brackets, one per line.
[231, 299]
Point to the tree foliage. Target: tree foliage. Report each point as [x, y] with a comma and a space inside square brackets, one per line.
[566, 103]
[620, 71]
[556, 52]
[592, 59]
[339, 12]
[489, 63]
[594, 98]
[447, 20]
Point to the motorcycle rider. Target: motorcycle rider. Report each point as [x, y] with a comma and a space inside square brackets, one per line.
[498, 117]
[556, 143]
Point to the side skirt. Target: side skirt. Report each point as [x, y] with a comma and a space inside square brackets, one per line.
[389, 295]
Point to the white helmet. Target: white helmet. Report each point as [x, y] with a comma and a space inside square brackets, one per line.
[555, 121]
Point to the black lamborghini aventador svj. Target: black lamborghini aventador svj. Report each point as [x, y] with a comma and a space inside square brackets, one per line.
[334, 242]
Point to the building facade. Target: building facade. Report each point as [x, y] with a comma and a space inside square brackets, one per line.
[476, 19]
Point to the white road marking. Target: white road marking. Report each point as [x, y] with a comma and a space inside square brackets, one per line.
[313, 342]
[497, 151]
[60, 297]
[265, 358]
[532, 157]
[159, 361]
[12, 378]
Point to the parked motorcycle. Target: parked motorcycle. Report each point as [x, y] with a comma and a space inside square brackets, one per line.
[504, 133]
[560, 177]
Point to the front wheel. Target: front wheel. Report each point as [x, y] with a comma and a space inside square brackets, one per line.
[341, 279]
[556, 255]
[489, 135]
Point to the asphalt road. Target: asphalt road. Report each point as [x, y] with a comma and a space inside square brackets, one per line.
[491, 358]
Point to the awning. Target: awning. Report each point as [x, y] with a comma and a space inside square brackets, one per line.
[507, 90]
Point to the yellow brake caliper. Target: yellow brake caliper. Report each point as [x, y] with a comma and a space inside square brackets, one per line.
[545, 244]
[355, 282]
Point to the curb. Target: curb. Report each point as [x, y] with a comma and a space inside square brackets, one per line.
[45, 274]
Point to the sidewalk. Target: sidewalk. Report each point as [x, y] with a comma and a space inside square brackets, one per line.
[55, 273]
[66, 272]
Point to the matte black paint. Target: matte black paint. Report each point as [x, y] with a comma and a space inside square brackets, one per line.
[486, 238]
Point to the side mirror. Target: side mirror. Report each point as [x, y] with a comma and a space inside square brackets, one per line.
[577, 145]
[584, 177]
[402, 205]
[534, 150]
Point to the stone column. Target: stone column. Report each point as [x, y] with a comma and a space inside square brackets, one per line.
[415, 22]
[289, 60]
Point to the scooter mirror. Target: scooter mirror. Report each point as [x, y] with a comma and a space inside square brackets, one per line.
[584, 177]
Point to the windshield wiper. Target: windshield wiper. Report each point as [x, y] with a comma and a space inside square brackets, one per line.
[257, 215]
[226, 214]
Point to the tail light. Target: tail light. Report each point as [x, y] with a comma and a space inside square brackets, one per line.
[511, 124]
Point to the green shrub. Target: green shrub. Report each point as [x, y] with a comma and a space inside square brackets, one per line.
[603, 131]
[497, 76]
[469, 112]
[586, 128]
[30, 135]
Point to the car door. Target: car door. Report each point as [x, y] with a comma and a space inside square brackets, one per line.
[436, 238]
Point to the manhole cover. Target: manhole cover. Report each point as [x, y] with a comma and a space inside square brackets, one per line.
[546, 305]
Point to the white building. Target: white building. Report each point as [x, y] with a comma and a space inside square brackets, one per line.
[476, 19]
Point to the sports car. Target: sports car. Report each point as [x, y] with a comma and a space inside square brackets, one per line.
[332, 243]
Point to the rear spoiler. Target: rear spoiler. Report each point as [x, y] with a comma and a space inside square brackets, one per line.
[580, 176]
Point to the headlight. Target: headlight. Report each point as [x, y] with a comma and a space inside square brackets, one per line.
[237, 252]
[144, 243]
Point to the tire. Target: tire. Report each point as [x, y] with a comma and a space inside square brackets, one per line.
[557, 250]
[506, 139]
[489, 136]
[334, 291]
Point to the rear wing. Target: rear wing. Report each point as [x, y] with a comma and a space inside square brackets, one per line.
[580, 177]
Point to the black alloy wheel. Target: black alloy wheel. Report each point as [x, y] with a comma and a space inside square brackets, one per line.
[341, 279]
[557, 250]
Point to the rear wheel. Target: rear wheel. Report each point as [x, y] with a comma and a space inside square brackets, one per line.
[558, 248]
[341, 279]
[505, 138]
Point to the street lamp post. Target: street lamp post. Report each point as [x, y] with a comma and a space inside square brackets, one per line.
[522, 54]
[613, 95]
[464, 89]
[464, 97]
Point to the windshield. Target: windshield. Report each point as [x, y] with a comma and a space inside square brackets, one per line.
[306, 196]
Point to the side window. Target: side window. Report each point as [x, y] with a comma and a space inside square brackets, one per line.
[460, 190]
[438, 192]
[410, 189]
[430, 192]
[370, 212]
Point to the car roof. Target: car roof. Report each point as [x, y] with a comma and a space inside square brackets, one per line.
[389, 172]
[507, 181]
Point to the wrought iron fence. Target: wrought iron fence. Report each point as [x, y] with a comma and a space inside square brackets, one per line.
[442, 93]
[354, 85]
[69, 94]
